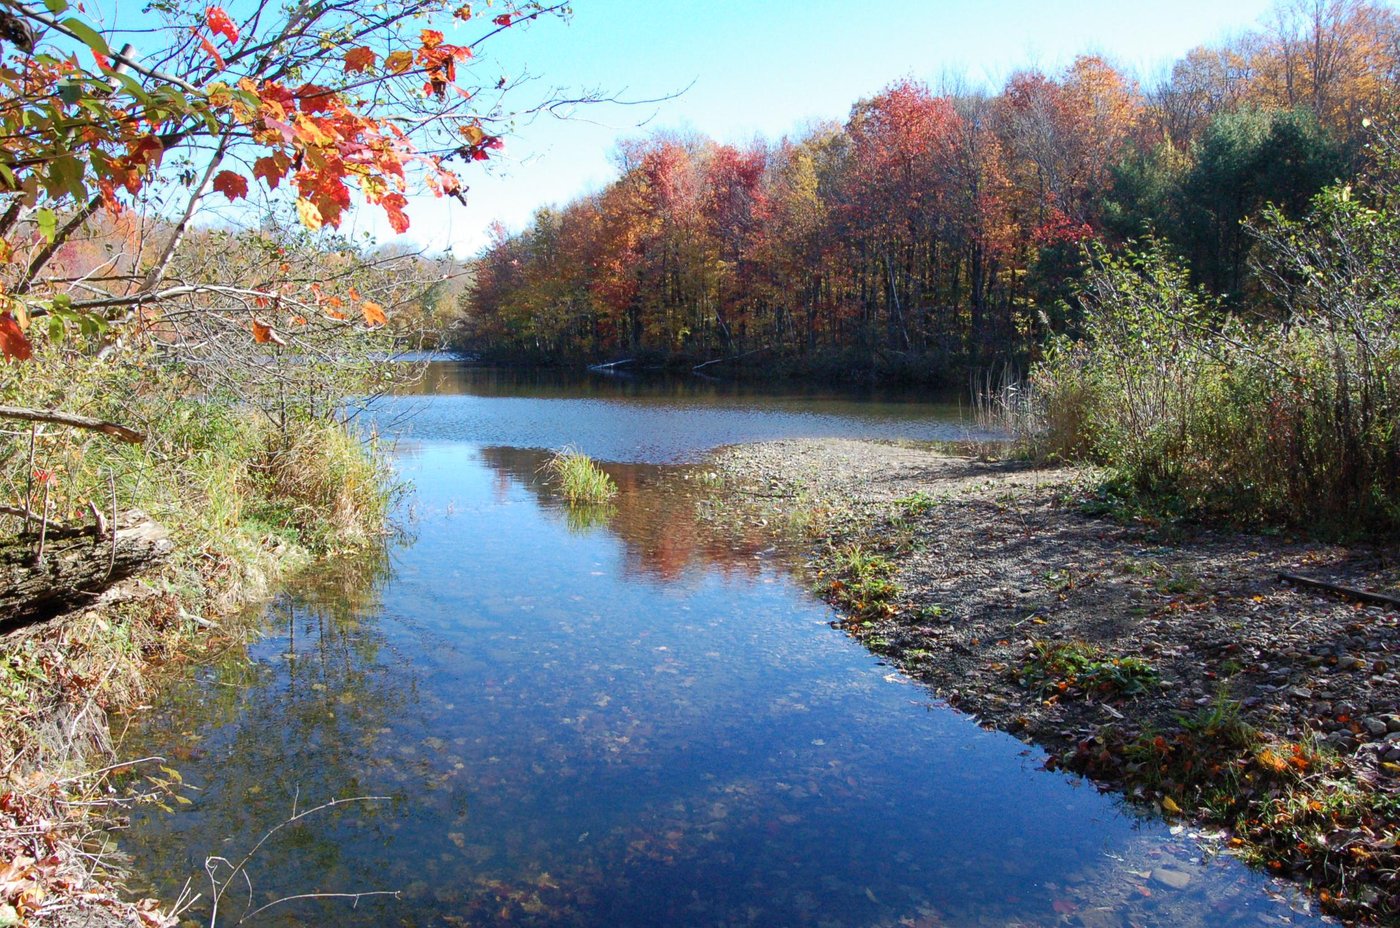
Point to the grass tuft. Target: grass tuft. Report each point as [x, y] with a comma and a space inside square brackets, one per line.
[579, 478]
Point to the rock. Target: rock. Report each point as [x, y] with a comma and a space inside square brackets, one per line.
[1099, 918]
[1392, 722]
[1173, 879]
[1376, 728]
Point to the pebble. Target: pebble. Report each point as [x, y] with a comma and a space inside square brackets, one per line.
[1175, 879]
[1375, 727]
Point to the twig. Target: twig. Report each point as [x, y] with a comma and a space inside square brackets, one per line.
[154, 758]
[43, 527]
[217, 888]
[112, 552]
[29, 475]
[356, 896]
[28, 515]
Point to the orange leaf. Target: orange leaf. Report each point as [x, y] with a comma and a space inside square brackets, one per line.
[270, 169]
[13, 344]
[393, 205]
[263, 334]
[208, 47]
[374, 314]
[231, 185]
[399, 62]
[431, 38]
[359, 59]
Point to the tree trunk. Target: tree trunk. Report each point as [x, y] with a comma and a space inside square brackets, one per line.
[78, 564]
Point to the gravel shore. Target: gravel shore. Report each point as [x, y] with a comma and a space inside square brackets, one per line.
[1172, 664]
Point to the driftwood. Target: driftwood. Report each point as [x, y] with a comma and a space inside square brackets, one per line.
[611, 364]
[67, 418]
[1336, 589]
[699, 367]
[78, 565]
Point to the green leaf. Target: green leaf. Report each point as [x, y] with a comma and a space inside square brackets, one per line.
[56, 330]
[132, 86]
[48, 223]
[90, 36]
[56, 6]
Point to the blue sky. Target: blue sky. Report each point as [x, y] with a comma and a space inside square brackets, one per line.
[766, 67]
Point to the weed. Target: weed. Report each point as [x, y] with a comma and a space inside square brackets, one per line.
[863, 585]
[1075, 668]
[916, 504]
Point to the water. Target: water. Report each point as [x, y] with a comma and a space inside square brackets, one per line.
[631, 719]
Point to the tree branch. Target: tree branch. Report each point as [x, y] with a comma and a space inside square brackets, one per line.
[121, 432]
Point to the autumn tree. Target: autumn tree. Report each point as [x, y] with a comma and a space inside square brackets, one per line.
[325, 105]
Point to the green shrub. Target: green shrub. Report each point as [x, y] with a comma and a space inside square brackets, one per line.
[1284, 422]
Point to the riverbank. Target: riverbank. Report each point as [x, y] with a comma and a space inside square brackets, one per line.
[1166, 662]
[241, 505]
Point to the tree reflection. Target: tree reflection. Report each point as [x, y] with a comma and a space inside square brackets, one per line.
[296, 719]
[653, 515]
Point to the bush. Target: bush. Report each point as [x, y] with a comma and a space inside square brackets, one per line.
[1292, 417]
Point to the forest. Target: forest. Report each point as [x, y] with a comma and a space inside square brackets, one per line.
[942, 230]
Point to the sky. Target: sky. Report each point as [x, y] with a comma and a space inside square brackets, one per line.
[734, 71]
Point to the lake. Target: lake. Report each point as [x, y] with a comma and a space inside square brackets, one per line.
[630, 717]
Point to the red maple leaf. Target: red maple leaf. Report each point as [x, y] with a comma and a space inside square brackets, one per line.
[231, 185]
[220, 24]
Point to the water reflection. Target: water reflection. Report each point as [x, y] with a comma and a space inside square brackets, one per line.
[639, 720]
[653, 516]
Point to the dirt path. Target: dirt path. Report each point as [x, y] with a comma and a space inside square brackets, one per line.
[1172, 664]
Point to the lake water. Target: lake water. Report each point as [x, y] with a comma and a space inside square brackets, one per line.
[623, 718]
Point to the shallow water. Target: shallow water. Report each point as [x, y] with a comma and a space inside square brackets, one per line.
[623, 718]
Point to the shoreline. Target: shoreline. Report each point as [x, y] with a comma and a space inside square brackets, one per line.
[1168, 664]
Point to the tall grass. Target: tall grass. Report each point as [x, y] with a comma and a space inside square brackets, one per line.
[578, 478]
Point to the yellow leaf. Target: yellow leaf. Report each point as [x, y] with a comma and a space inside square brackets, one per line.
[309, 215]
[1169, 805]
[399, 62]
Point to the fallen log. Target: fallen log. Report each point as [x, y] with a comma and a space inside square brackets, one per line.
[78, 564]
[1336, 589]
